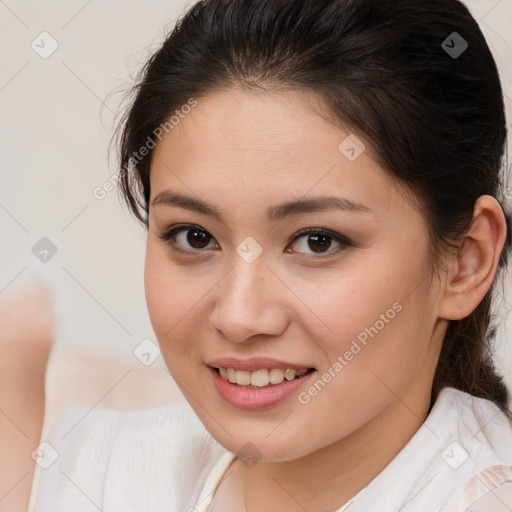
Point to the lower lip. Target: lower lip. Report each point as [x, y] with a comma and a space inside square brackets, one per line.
[251, 398]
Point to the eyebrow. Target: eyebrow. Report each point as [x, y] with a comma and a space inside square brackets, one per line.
[278, 212]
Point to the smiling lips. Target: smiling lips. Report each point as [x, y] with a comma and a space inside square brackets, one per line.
[257, 371]
[257, 383]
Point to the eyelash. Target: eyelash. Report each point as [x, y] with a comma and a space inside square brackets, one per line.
[169, 236]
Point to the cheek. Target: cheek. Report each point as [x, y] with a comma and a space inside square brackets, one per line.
[377, 341]
[373, 318]
[352, 300]
[169, 295]
[157, 290]
[176, 296]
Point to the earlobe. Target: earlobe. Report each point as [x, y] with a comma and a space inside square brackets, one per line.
[471, 272]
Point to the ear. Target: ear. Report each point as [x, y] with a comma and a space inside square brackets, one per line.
[471, 272]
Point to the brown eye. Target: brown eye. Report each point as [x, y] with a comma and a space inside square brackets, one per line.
[319, 241]
[197, 239]
[187, 237]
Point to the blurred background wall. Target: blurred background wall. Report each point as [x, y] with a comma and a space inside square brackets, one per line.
[64, 67]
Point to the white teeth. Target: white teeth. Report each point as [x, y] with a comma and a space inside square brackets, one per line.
[260, 378]
[289, 374]
[276, 376]
[243, 378]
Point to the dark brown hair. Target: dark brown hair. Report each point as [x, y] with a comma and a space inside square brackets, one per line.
[392, 70]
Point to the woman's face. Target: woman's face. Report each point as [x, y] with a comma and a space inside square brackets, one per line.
[353, 299]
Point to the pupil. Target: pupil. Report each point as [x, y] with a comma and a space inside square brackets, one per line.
[197, 239]
[320, 240]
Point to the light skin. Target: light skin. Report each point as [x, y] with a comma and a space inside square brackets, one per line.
[243, 152]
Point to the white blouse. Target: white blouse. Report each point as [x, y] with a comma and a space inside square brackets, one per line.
[164, 460]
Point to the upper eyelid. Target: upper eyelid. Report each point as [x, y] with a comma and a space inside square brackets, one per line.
[177, 228]
[328, 232]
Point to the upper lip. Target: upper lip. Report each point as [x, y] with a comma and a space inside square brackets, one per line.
[253, 364]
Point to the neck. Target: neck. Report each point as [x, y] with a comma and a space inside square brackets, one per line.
[326, 479]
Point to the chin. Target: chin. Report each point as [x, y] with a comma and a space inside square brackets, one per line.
[257, 445]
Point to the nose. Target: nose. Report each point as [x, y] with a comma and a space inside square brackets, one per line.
[248, 303]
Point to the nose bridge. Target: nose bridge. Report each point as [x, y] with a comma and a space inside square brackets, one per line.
[247, 302]
[246, 287]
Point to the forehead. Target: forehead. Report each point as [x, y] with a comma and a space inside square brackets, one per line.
[261, 146]
[244, 122]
